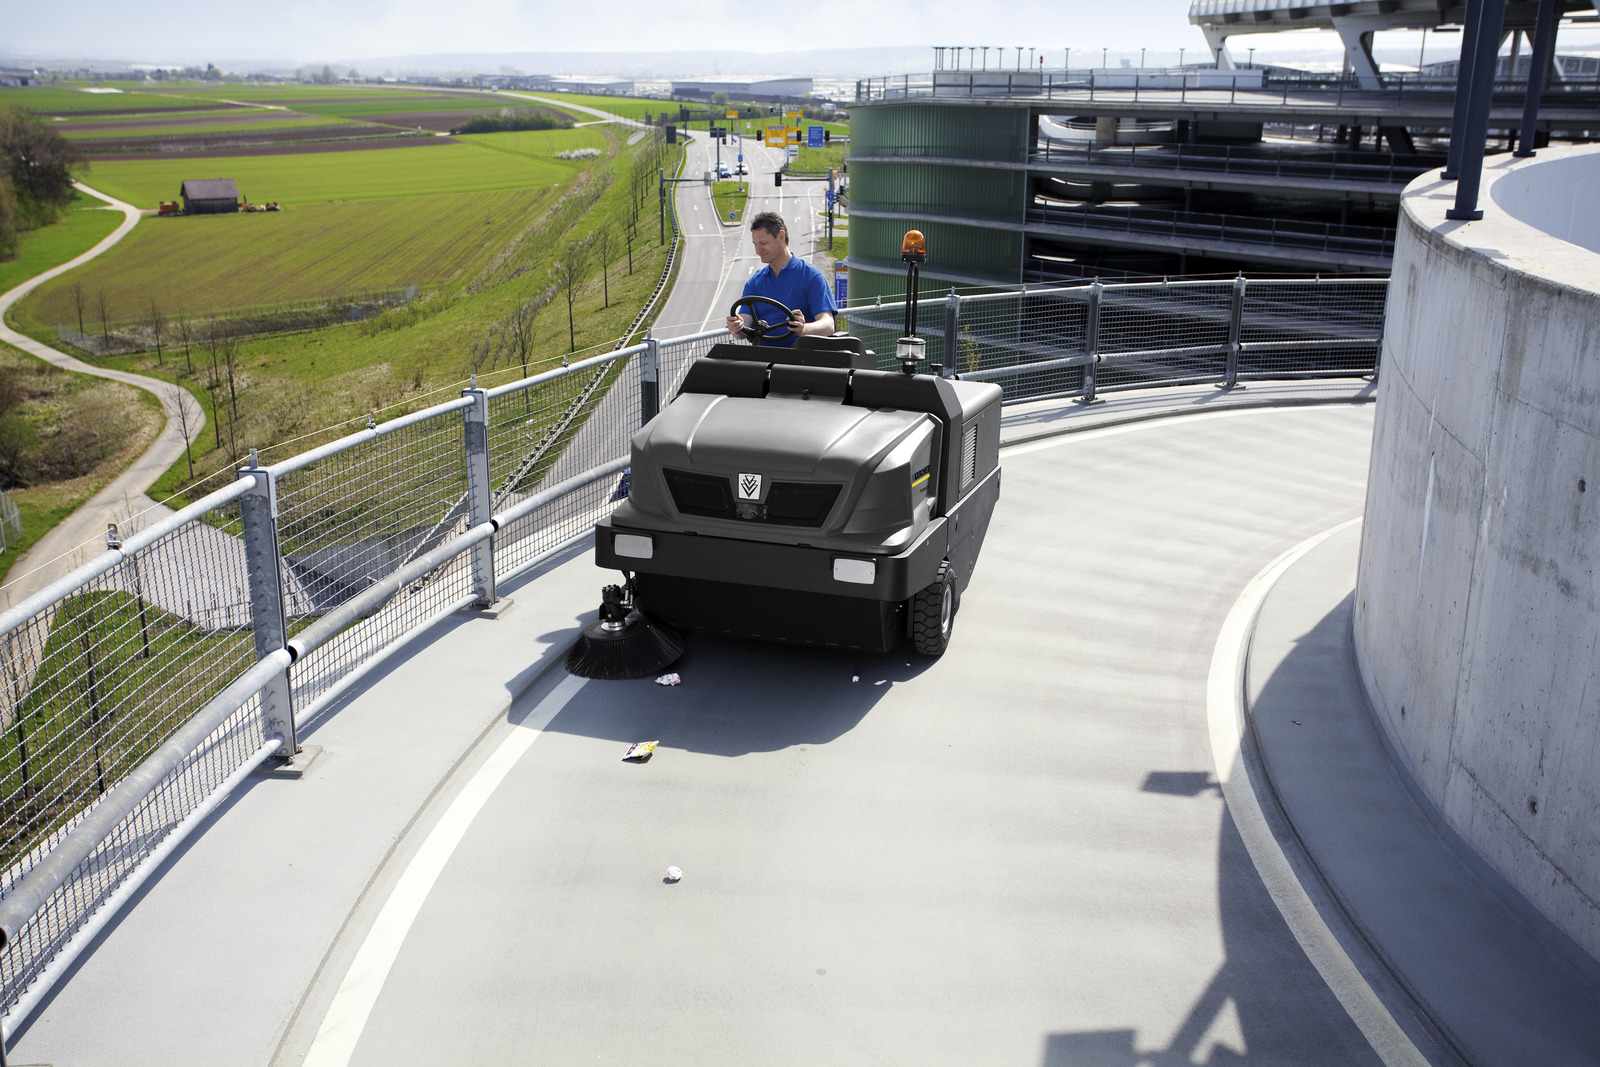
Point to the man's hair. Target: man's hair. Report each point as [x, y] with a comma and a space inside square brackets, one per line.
[770, 221]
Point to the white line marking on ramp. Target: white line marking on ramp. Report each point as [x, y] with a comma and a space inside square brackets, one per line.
[347, 1016]
[1225, 720]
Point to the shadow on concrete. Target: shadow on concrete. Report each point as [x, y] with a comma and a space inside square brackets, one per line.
[739, 697]
[1266, 1005]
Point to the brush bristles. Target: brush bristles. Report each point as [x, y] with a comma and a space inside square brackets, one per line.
[641, 650]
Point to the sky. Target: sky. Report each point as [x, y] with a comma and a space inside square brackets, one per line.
[312, 32]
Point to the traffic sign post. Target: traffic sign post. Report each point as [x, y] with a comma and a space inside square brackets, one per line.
[841, 284]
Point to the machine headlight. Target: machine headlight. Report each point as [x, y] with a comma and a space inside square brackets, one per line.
[636, 546]
[855, 571]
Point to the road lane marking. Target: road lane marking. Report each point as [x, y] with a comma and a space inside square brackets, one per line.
[1225, 721]
[347, 1015]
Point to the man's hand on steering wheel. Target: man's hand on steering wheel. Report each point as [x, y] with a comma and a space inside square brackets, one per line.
[756, 331]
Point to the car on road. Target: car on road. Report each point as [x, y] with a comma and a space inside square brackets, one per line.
[740, 168]
[723, 171]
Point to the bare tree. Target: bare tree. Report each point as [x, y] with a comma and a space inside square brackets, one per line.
[230, 360]
[568, 273]
[105, 316]
[605, 243]
[520, 329]
[158, 326]
[77, 303]
[186, 334]
[630, 230]
[191, 419]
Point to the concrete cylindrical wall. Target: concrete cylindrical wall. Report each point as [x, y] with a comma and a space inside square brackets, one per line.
[1478, 602]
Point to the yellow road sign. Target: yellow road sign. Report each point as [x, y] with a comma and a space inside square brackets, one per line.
[733, 113]
[793, 112]
[777, 135]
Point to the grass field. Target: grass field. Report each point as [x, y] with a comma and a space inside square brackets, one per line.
[87, 221]
[210, 263]
[352, 221]
[58, 101]
[730, 199]
[354, 175]
[199, 125]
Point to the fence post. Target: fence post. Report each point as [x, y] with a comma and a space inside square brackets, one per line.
[480, 506]
[1092, 342]
[650, 379]
[258, 514]
[952, 334]
[1235, 324]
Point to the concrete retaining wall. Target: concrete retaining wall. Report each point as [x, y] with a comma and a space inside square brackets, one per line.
[1478, 602]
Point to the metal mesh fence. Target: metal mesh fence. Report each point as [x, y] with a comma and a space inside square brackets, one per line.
[90, 685]
[1337, 327]
[1038, 343]
[354, 512]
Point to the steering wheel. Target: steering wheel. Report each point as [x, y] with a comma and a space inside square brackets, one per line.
[758, 331]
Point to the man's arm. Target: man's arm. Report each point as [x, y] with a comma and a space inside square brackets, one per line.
[822, 324]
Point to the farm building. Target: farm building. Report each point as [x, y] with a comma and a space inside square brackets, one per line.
[210, 197]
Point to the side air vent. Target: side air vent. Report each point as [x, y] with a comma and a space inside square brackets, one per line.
[969, 456]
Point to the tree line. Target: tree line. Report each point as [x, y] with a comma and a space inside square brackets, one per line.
[37, 166]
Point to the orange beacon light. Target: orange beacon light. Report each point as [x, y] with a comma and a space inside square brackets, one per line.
[914, 248]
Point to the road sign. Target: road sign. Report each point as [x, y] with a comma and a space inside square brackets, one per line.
[793, 112]
[793, 151]
[777, 135]
[830, 197]
[841, 284]
[797, 136]
[741, 157]
[813, 136]
[733, 113]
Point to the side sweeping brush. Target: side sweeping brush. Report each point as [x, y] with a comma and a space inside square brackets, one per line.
[622, 643]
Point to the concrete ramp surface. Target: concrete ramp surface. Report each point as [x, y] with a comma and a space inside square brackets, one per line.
[1016, 854]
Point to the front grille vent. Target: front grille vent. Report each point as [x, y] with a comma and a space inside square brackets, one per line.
[785, 504]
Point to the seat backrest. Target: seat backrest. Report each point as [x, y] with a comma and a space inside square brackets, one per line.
[860, 357]
[791, 380]
[904, 392]
[727, 377]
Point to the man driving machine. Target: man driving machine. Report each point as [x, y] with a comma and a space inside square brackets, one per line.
[790, 281]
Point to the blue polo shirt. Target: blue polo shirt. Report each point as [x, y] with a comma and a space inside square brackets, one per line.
[798, 285]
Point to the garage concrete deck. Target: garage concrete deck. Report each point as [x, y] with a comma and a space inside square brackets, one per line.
[1019, 853]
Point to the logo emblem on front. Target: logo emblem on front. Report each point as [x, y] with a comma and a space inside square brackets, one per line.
[749, 487]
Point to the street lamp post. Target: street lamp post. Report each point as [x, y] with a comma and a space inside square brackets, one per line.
[1105, 58]
[1019, 56]
[985, 56]
[1252, 59]
[1180, 57]
[1141, 59]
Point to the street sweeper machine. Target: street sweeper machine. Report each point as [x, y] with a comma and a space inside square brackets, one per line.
[799, 495]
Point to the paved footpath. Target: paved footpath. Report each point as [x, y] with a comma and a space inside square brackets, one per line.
[81, 536]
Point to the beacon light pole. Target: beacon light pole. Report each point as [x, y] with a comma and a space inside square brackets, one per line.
[910, 349]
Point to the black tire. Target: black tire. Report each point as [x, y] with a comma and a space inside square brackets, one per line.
[933, 613]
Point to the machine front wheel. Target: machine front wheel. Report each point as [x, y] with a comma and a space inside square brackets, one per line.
[933, 613]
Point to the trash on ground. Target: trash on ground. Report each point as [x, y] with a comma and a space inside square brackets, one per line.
[670, 679]
[641, 751]
[674, 874]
